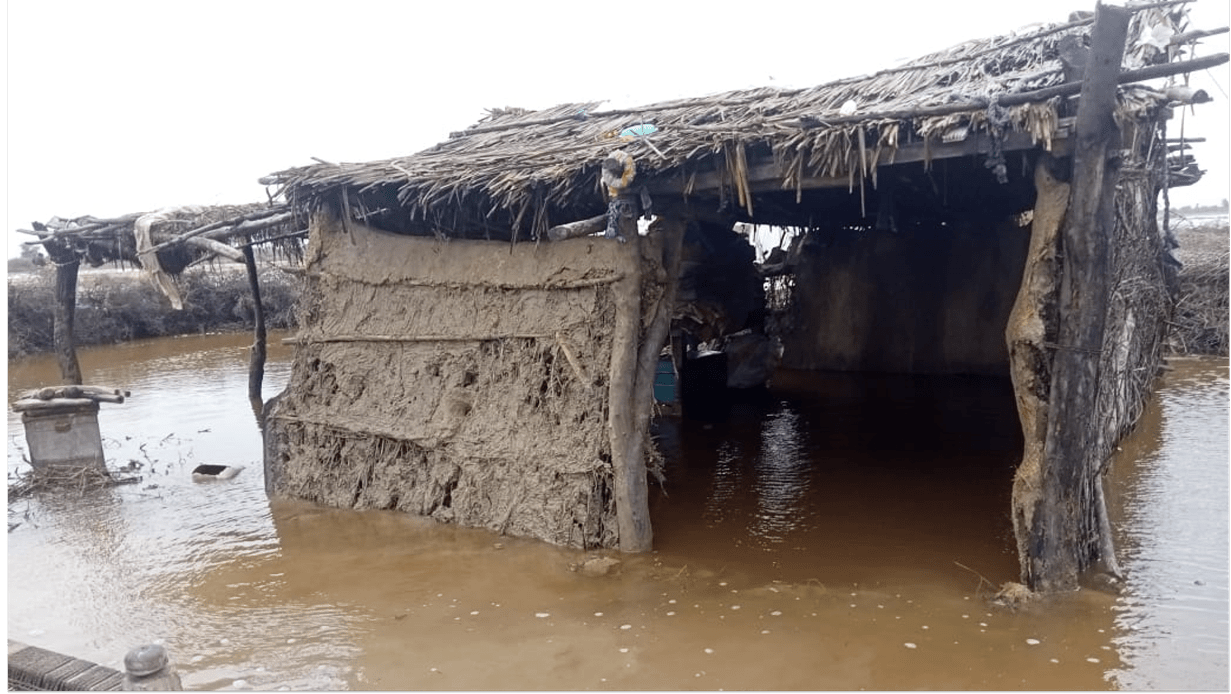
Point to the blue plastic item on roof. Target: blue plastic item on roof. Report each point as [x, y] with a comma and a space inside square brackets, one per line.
[639, 130]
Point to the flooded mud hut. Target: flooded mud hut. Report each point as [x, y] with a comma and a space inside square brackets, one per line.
[482, 320]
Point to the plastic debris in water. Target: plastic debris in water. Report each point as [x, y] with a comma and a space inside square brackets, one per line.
[542, 615]
[1032, 642]
[908, 644]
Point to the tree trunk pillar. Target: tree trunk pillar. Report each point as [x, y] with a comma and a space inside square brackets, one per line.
[1064, 535]
[67, 264]
[627, 448]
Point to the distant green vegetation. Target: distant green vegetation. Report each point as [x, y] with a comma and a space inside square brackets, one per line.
[116, 307]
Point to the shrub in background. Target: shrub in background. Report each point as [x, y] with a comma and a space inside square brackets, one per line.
[117, 307]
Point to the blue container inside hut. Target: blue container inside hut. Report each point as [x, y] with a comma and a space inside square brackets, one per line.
[664, 380]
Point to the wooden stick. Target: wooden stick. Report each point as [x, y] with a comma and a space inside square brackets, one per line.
[572, 360]
[1188, 36]
[297, 340]
[505, 286]
[256, 364]
[31, 404]
[246, 224]
[78, 391]
[217, 247]
[584, 227]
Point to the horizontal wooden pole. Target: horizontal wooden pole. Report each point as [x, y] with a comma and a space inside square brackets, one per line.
[771, 176]
[1066, 89]
[78, 391]
[411, 338]
[234, 227]
[32, 404]
[217, 248]
[583, 227]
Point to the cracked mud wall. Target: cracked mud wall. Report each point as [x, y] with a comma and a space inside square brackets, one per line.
[461, 380]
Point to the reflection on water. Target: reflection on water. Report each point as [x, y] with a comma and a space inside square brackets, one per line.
[848, 478]
[1169, 492]
[782, 484]
[837, 533]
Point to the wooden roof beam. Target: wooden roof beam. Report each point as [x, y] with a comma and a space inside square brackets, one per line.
[770, 176]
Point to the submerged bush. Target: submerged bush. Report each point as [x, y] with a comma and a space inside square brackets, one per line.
[114, 307]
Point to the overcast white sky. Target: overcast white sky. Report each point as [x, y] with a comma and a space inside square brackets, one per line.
[120, 106]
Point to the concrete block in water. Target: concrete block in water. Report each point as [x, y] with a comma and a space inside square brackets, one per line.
[64, 436]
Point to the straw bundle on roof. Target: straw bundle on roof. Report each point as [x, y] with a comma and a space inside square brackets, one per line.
[527, 170]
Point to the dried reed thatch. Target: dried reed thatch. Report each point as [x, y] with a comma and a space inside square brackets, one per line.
[178, 236]
[1200, 313]
[528, 170]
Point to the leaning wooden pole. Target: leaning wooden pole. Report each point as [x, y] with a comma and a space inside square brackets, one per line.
[1064, 537]
[67, 264]
[256, 364]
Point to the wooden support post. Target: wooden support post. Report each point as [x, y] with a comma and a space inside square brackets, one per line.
[67, 264]
[1064, 536]
[634, 362]
[669, 234]
[256, 364]
[627, 456]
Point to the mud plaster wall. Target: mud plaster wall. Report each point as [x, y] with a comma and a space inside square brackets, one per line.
[927, 302]
[461, 380]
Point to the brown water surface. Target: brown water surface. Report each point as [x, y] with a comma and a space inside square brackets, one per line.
[839, 532]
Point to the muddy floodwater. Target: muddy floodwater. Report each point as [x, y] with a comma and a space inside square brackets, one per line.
[836, 532]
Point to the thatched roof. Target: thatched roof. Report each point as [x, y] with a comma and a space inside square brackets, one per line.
[528, 170]
[177, 236]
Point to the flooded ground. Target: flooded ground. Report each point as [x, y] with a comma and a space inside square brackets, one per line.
[840, 532]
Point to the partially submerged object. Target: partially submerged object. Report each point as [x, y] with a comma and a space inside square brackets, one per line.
[61, 426]
[210, 473]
